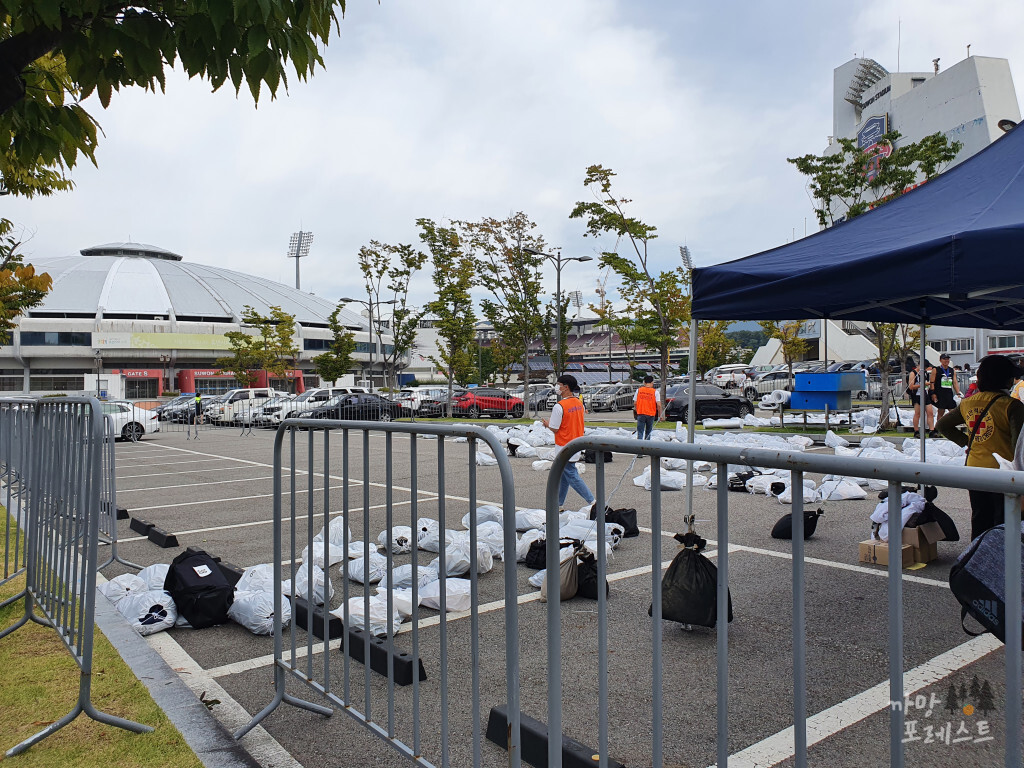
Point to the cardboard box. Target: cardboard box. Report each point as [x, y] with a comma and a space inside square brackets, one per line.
[923, 539]
[875, 552]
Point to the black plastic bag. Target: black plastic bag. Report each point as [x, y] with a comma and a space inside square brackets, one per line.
[784, 527]
[738, 482]
[624, 517]
[689, 590]
[588, 577]
[536, 555]
[590, 456]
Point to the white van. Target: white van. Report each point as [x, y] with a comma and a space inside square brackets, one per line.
[237, 402]
[307, 401]
[410, 398]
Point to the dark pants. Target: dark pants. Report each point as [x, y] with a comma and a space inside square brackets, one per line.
[644, 426]
[986, 511]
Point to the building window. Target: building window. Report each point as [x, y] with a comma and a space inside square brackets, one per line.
[365, 347]
[56, 339]
[939, 345]
[1006, 342]
[916, 81]
[426, 323]
[57, 383]
[316, 344]
[961, 345]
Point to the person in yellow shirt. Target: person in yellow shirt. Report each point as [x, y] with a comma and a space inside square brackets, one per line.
[567, 423]
[992, 421]
[1018, 386]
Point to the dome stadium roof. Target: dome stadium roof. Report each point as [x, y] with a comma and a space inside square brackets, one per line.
[138, 281]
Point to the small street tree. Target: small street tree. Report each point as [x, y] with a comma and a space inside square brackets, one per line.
[714, 345]
[271, 348]
[852, 181]
[453, 304]
[658, 302]
[20, 287]
[335, 362]
[793, 347]
[388, 271]
[510, 274]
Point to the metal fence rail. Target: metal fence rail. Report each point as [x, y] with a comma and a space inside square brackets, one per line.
[108, 496]
[1009, 483]
[62, 445]
[14, 453]
[327, 453]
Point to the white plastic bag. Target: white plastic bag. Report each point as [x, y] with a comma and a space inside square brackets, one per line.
[119, 587]
[530, 518]
[255, 611]
[401, 576]
[809, 494]
[457, 595]
[257, 578]
[359, 572]
[429, 540]
[378, 619]
[833, 440]
[401, 601]
[485, 513]
[840, 489]
[524, 542]
[457, 559]
[493, 535]
[335, 553]
[148, 612]
[485, 460]
[155, 575]
[302, 586]
[336, 533]
[541, 465]
[400, 539]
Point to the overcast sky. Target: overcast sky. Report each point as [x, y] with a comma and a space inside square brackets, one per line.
[460, 109]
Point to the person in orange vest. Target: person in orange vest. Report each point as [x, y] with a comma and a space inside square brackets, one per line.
[647, 408]
[567, 423]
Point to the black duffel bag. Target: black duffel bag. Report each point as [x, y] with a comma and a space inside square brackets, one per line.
[624, 517]
[199, 588]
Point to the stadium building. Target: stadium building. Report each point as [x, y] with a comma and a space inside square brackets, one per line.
[134, 321]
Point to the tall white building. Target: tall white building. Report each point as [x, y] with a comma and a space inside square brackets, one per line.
[973, 102]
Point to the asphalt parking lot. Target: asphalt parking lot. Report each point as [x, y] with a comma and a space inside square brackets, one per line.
[216, 493]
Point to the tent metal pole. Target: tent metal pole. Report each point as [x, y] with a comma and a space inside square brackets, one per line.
[691, 412]
[922, 393]
[824, 326]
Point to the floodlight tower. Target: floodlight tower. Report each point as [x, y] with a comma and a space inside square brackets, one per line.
[298, 246]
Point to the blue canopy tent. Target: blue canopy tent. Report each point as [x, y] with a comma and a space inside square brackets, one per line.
[947, 253]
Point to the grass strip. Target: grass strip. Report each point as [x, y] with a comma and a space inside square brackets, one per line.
[39, 684]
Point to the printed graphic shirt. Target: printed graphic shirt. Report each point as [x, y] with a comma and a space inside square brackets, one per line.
[646, 400]
[993, 432]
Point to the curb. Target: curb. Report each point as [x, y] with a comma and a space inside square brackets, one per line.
[212, 744]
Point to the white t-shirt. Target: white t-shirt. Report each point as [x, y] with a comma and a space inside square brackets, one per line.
[657, 395]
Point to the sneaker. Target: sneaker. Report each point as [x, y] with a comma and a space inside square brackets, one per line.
[934, 433]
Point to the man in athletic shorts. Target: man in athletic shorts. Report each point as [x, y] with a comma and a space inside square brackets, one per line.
[945, 387]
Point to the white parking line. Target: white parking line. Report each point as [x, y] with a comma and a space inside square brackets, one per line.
[194, 461]
[780, 746]
[185, 472]
[194, 485]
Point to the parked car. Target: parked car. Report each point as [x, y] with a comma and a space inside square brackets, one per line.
[485, 400]
[437, 405]
[612, 397]
[130, 421]
[411, 398]
[235, 402]
[309, 400]
[711, 402]
[269, 414]
[728, 376]
[539, 394]
[358, 406]
[767, 383]
[167, 410]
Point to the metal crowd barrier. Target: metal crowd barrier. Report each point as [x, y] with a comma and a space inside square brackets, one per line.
[301, 511]
[59, 464]
[897, 473]
[108, 496]
[15, 423]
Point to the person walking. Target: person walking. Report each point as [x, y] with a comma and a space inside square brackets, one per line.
[993, 422]
[946, 387]
[567, 423]
[646, 408]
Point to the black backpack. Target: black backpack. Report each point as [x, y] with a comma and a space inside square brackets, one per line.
[624, 517]
[199, 588]
[977, 580]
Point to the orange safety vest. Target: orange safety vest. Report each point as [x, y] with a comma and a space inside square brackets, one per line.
[646, 402]
[572, 420]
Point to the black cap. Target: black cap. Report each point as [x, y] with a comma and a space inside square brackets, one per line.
[569, 381]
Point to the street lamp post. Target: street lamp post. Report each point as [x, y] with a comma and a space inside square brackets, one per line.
[558, 261]
[164, 360]
[98, 359]
[373, 344]
[609, 318]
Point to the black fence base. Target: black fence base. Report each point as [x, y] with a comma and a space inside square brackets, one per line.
[534, 742]
[140, 526]
[162, 538]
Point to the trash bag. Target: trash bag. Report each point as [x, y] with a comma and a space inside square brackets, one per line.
[568, 575]
[401, 600]
[400, 540]
[622, 517]
[154, 575]
[359, 572]
[335, 553]
[430, 539]
[525, 543]
[536, 555]
[587, 575]
[378, 622]
[493, 535]
[149, 612]
[255, 611]
[457, 595]
[530, 518]
[335, 532]
[302, 586]
[257, 578]
[689, 590]
[457, 559]
[784, 527]
[932, 513]
[485, 513]
[119, 587]
[401, 576]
